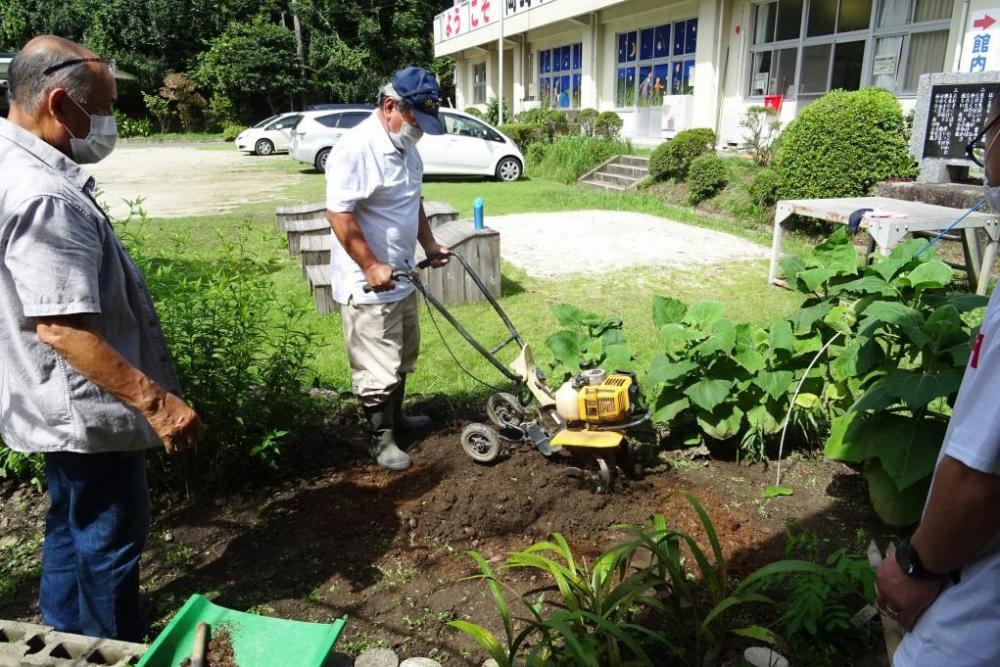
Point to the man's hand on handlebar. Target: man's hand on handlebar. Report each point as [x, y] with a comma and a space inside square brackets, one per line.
[379, 277]
[437, 255]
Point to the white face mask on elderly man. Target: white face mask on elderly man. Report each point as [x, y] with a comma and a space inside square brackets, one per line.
[99, 143]
[407, 137]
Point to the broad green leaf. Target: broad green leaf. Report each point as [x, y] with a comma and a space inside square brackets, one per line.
[722, 423]
[807, 401]
[676, 336]
[887, 267]
[907, 446]
[810, 280]
[803, 320]
[664, 370]
[766, 418]
[775, 383]
[929, 275]
[843, 443]
[915, 389]
[841, 319]
[617, 357]
[909, 321]
[808, 344]
[782, 337]
[856, 359]
[837, 253]
[707, 394]
[775, 491]
[962, 302]
[896, 508]
[486, 639]
[571, 316]
[566, 347]
[748, 358]
[943, 322]
[704, 312]
[722, 339]
[669, 404]
[790, 268]
[866, 285]
[907, 251]
[612, 337]
[667, 311]
[757, 632]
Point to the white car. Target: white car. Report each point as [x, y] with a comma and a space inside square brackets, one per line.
[268, 136]
[317, 131]
[469, 147]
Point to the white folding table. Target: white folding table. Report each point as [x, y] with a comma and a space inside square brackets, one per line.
[887, 232]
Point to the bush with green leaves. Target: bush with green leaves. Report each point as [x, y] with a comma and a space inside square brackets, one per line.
[843, 144]
[523, 134]
[160, 108]
[568, 158]
[608, 125]
[586, 121]
[474, 112]
[707, 176]
[22, 467]
[231, 130]
[241, 351]
[762, 126]
[132, 127]
[589, 338]
[672, 159]
[764, 188]
[492, 115]
[221, 113]
[655, 598]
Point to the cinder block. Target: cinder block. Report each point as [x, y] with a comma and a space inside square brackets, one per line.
[30, 645]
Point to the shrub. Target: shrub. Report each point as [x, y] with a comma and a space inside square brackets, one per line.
[555, 123]
[706, 177]
[132, 127]
[762, 126]
[536, 153]
[475, 112]
[568, 158]
[672, 159]
[160, 108]
[536, 116]
[493, 111]
[842, 144]
[586, 120]
[181, 90]
[608, 125]
[764, 188]
[221, 112]
[231, 130]
[523, 134]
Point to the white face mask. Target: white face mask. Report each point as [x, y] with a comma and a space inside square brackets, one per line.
[407, 137]
[99, 143]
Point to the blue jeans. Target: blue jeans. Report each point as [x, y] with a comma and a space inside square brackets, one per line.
[95, 531]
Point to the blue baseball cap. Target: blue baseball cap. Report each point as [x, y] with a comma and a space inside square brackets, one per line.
[422, 93]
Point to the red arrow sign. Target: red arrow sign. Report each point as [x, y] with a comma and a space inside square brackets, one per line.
[984, 22]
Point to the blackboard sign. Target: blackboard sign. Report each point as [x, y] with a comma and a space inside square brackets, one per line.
[957, 114]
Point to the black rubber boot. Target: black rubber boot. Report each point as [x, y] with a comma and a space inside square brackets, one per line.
[401, 421]
[381, 443]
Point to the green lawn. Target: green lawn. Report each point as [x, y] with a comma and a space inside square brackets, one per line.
[741, 287]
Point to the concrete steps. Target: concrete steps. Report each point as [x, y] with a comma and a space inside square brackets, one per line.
[619, 174]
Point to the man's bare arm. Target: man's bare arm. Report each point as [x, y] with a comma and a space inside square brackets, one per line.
[348, 232]
[177, 425]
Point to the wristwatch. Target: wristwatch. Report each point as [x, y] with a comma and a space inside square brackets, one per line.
[909, 562]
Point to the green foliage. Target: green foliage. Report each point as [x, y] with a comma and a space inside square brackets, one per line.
[231, 130]
[842, 144]
[764, 188]
[672, 159]
[762, 127]
[608, 125]
[22, 467]
[523, 134]
[568, 158]
[250, 61]
[241, 353]
[221, 113]
[475, 112]
[492, 114]
[19, 565]
[587, 120]
[654, 595]
[132, 127]
[587, 338]
[706, 177]
[160, 108]
[536, 153]
[181, 90]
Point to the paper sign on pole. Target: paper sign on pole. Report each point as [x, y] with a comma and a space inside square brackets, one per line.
[981, 50]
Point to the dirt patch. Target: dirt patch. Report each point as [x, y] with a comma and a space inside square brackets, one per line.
[220, 651]
[388, 550]
[185, 180]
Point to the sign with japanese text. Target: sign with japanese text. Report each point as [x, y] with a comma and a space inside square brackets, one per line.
[981, 50]
[483, 13]
[957, 114]
[474, 14]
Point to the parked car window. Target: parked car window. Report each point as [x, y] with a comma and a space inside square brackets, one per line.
[467, 127]
[265, 121]
[330, 120]
[348, 120]
[284, 123]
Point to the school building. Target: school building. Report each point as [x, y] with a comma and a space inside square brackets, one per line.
[667, 65]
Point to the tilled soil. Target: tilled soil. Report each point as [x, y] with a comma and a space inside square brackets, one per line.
[388, 550]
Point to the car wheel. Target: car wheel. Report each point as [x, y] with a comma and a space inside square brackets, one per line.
[509, 169]
[264, 147]
[320, 161]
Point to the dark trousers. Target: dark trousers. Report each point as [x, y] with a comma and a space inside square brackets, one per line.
[95, 531]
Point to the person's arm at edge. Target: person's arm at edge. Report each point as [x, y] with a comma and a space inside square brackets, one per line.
[348, 232]
[177, 425]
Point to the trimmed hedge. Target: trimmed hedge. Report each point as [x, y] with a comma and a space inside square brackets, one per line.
[707, 176]
[764, 188]
[672, 159]
[523, 134]
[842, 144]
[586, 120]
[608, 125]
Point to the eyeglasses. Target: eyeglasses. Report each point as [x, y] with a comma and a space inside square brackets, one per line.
[79, 61]
[975, 150]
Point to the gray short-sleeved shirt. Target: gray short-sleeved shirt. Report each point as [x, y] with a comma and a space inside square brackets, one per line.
[60, 256]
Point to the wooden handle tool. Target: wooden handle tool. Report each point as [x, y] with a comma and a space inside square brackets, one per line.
[200, 649]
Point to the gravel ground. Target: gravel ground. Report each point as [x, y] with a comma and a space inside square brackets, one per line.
[184, 180]
[559, 244]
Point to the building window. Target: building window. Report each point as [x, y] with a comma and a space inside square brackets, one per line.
[807, 47]
[479, 83]
[560, 76]
[654, 62]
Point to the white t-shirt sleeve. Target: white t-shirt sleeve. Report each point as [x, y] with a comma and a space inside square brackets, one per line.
[974, 432]
[348, 177]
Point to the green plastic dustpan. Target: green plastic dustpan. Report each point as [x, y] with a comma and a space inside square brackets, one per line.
[258, 641]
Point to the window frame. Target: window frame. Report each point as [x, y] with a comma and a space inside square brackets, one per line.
[552, 74]
[479, 87]
[638, 63]
[870, 36]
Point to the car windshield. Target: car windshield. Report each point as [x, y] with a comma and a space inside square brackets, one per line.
[265, 121]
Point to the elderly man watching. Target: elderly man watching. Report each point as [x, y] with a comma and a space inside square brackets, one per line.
[86, 378]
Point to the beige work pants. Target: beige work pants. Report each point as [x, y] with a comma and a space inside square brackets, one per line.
[383, 341]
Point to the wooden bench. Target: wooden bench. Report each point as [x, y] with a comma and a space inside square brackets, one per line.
[286, 214]
[295, 230]
[318, 276]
